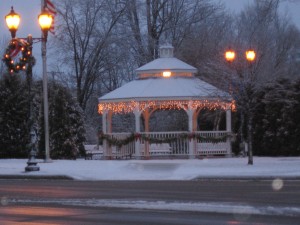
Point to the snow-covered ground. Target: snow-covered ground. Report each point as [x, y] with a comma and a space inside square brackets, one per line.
[281, 167]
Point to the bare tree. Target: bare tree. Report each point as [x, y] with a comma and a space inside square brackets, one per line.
[272, 37]
[84, 37]
[153, 22]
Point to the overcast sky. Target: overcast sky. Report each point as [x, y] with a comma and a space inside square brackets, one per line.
[30, 9]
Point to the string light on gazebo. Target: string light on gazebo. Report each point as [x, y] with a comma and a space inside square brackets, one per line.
[127, 107]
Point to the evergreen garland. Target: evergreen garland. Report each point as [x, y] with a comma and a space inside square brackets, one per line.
[112, 141]
[14, 47]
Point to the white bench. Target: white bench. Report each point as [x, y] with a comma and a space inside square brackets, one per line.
[219, 148]
[93, 151]
[157, 149]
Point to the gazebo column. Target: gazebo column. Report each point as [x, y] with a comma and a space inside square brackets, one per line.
[107, 128]
[137, 115]
[228, 129]
[228, 120]
[190, 111]
[146, 115]
[195, 121]
[104, 130]
[109, 122]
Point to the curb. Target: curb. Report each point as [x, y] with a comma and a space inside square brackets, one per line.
[35, 177]
[258, 178]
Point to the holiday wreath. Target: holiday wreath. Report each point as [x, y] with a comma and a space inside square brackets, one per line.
[15, 46]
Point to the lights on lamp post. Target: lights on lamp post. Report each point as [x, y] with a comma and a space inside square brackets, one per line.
[230, 55]
[249, 54]
[12, 20]
[45, 20]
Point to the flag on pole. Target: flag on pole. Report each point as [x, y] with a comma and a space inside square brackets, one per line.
[50, 8]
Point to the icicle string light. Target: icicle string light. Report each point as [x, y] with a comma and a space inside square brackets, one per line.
[128, 107]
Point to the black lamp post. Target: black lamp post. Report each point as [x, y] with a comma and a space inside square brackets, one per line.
[45, 20]
[250, 56]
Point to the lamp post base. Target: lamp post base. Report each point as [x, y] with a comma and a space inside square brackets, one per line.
[48, 161]
[32, 166]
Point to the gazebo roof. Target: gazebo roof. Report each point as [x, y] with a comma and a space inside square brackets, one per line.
[172, 64]
[152, 89]
[174, 88]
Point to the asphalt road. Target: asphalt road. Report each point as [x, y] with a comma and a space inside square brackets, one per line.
[150, 202]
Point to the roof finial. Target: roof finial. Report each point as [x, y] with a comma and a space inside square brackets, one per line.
[166, 51]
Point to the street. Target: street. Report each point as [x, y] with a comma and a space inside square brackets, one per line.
[150, 202]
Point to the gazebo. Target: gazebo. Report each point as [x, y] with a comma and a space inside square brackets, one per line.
[162, 84]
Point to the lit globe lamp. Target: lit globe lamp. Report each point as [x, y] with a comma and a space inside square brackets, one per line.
[250, 55]
[45, 21]
[12, 20]
[230, 55]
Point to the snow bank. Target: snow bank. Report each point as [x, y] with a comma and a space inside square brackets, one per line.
[159, 169]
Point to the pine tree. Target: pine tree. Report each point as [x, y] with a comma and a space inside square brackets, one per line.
[277, 128]
[65, 123]
[14, 117]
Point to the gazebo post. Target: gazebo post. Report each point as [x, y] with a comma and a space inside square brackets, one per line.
[190, 111]
[137, 114]
[104, 130]
[228, 120]
[146, 115]
[109, 121]
[228, 128]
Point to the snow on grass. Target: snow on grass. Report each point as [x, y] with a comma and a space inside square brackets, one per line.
[282, 167]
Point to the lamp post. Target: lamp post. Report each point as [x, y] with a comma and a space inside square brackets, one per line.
[45, 20]
[250, 56]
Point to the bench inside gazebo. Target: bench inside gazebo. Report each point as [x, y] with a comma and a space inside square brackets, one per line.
[166, 83]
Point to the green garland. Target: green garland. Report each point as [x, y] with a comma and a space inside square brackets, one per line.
[112, 141]
[26, 58]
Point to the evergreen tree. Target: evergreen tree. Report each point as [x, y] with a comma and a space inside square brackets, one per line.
[65, 123]
[277, 129]
[14, 117]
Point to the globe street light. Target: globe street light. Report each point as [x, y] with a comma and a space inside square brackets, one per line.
[250, 57]
[230, 55]
[12, 20]
[45, 20]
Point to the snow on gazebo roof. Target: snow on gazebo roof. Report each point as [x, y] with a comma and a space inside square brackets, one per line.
[166, 62]
[155, 89]
[176, 88]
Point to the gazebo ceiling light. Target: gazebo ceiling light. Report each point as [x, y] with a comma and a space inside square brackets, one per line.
[128, 107]
[167, 74]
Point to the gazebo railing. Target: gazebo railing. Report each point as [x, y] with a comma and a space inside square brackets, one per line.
[168, 144]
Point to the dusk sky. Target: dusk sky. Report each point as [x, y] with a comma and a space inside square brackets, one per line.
[30, 9]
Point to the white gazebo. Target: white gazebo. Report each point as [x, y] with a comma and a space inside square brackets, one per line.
[165, 83]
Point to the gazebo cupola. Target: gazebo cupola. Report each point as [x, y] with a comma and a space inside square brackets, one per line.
[166, 66]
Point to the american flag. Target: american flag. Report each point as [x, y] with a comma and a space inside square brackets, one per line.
[50, 8]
